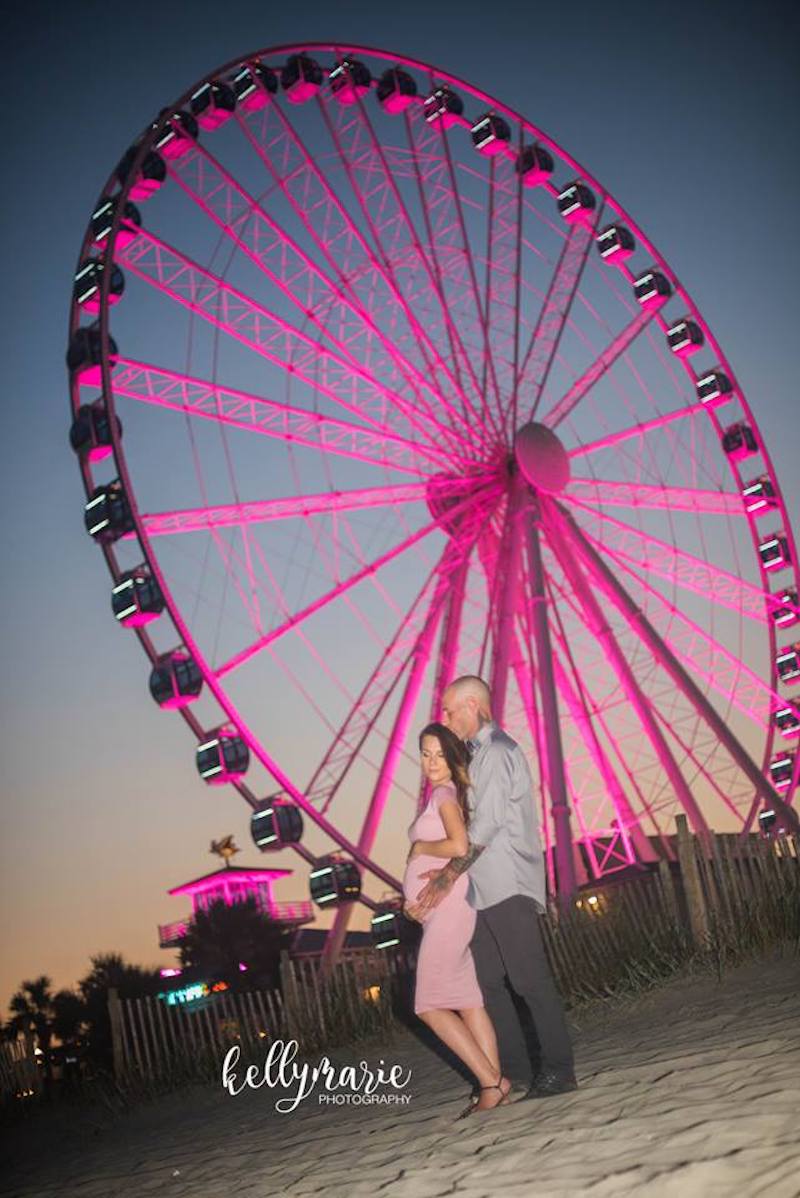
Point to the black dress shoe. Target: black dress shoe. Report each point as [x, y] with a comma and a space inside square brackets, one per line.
[549, 1082]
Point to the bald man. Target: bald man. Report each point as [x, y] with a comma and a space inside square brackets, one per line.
[507, 889]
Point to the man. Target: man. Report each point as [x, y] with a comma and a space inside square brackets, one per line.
[507, 889]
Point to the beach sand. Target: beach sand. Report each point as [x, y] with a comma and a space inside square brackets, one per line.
[692, 1091]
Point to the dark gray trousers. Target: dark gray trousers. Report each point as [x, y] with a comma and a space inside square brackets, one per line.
[507, 944]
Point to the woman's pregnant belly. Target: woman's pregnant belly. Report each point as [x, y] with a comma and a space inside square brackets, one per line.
[413, 882]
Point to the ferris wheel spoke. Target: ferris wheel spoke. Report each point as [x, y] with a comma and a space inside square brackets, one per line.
[490, 553]
[592, 492]
[341, 588]
[669, 653]
[503, 557]
[393, 232]
[642, 429]
[315, 294]
[451, 255]
[584, 713]
[406, 643]
[291, 507]
[624, 543]
[702, 769]
[448, 653]
[601, 365]
[570, 602]
[371, 282]
[598, 625]
[228, 309]
[501, 290]
[226, 406]
[366, 709]
[541, 350]
[419, 659]
[704, 656]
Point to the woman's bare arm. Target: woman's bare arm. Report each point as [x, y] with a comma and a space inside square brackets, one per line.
[455, 844]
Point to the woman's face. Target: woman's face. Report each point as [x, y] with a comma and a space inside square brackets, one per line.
[434, 766]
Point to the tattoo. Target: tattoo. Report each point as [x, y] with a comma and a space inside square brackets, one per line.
[458, 865]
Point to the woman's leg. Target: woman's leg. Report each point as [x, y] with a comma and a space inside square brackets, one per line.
[482, 1029]
[453, 1031]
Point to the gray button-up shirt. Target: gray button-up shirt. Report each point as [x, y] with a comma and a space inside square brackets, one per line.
[503, 819]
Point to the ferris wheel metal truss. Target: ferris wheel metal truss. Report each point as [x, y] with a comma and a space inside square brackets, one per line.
[447, 365]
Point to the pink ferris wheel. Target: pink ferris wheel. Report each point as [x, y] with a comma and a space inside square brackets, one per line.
[373, 385]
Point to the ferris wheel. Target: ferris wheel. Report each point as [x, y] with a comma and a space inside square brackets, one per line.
[373, 385]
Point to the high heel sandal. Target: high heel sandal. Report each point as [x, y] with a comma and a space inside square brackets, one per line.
[473, 1104]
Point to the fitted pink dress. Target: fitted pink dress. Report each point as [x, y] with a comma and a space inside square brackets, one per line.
[445, 970]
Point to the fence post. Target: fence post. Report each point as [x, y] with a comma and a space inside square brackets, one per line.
[290, 996]
[115, 1019]
[692, 887]
[670, 902]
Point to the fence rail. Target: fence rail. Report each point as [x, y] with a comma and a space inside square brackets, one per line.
[20, 1076]
[722, 897]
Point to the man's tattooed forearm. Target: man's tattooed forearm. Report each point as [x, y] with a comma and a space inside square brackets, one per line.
[459, 864]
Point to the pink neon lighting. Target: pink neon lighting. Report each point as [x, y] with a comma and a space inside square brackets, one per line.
[409, 311]
[176, 275]
[328, 224]
[619, 663]
[282, 259]
[625, 543]
[636, 430]
[240, 409]
[539, 355]
[705, 657]
[682, 499]
[245, 655]
[561, 410]
[293, 507]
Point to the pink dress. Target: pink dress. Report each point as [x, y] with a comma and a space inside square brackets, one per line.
[445, 970]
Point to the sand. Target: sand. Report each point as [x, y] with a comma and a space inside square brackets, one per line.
[693, 1090]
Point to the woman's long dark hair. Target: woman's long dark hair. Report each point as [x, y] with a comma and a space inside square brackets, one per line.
[457, 758]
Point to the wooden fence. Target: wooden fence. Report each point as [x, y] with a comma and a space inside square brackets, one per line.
[20, 1076]
[723, 898]
[150, 1037]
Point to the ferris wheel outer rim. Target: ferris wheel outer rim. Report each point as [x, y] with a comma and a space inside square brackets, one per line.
[151, 131]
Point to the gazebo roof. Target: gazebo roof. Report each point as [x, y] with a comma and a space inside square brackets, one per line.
[241, 873]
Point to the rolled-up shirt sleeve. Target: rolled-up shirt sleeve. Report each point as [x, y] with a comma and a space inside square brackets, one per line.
[492, 791]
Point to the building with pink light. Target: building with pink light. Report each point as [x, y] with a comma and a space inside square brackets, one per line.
[234, 884]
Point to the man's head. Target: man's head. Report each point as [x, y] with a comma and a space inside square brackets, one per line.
[466, 705]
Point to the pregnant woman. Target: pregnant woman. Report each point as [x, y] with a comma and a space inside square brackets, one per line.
[447, 996]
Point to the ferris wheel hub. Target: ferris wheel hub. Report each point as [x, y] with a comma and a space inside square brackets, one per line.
[541, 457]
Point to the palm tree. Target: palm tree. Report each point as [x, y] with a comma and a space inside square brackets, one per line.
[221, 938]
[32, 1016]
[70, 1016]
[130, 981]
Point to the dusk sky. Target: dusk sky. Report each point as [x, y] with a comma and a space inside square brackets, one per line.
[687, 114]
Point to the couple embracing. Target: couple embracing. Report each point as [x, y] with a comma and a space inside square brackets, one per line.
[475, 881]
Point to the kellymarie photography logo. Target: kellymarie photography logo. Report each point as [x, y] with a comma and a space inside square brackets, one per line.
[344, 1085]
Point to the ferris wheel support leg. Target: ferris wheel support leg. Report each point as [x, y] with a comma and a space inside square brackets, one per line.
[641, 625]
[369, 829]
[448, 652]
[554, 753]
[600, 627]
[630, 830]
[509, 565]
